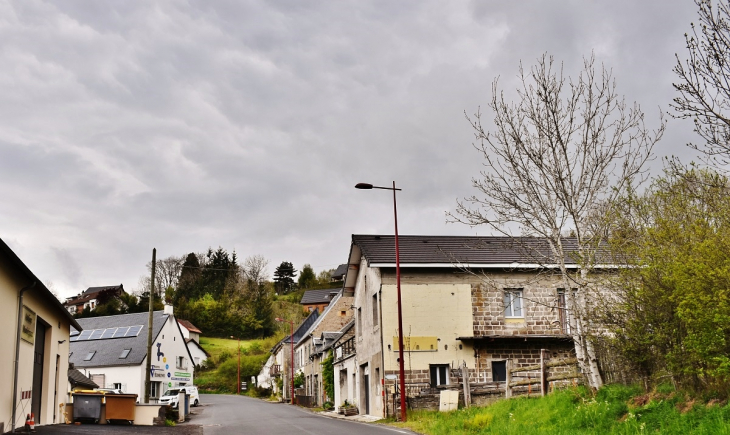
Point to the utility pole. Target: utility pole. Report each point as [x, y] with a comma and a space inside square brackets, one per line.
[149, 330]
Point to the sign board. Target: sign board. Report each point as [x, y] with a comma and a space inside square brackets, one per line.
[27, 331]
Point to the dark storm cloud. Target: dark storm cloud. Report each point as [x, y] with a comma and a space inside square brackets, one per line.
[183, 126]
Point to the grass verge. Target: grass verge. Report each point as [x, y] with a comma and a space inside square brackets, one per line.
[614, 409]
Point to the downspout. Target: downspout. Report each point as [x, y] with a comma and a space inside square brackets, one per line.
[17, 349]
[382, 353]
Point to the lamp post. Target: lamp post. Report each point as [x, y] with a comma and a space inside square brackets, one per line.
[402, 382]
[239, 364]
[291, 343]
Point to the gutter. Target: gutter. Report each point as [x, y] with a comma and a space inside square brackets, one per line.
[17, 350]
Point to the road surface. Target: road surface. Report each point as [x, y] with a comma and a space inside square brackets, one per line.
[229, 415]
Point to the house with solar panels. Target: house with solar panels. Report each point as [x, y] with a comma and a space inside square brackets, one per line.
[112, 351]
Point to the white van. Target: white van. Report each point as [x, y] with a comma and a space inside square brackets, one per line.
[171, 395]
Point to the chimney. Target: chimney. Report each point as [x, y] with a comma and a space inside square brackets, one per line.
[168, 309]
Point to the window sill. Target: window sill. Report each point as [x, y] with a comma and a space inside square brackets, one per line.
[514, 320]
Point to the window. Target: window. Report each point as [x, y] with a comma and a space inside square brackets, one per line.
[439, 374]
[359, 322]
[124, 354]
[181, 363]
[154, 389]
[117, 386]
[375, 309]
[513, 303]
[499, 371]
[90, 355]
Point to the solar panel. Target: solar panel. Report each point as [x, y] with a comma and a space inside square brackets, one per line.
[85, 335]
[96, 334]
[74, 338]
[133, 331]
[121, 331]
[108, 333]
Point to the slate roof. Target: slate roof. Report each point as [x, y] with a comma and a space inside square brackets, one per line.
[189, 326]
[301, 330]
[475, 250]
[38, 287]
[109, 350]
[77, 379]
[339, 273]
[313, 297]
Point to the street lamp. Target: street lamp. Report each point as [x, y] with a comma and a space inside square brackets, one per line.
[291, 343]
[402, 382]
[239, 364]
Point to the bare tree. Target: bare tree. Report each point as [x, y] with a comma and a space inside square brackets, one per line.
[563, 148]
[255, 269]
[704, 87]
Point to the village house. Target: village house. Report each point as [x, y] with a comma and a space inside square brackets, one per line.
[112, 351]
[192, 339]
[89, 298]
[308, 351]
[481, 304]
[318, 299]
[344, 365]
[279, 364]
[35, 361]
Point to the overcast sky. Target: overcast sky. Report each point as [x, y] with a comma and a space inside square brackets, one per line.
[129, 125]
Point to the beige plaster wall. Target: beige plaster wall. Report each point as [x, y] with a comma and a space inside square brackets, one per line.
[58, 330]
[435, 310]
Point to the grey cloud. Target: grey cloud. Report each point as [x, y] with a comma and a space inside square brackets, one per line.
[129, 125]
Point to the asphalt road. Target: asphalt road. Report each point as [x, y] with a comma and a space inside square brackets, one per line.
[243, 415]
[231, 415]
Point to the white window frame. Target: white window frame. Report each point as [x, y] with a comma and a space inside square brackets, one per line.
[510, 296]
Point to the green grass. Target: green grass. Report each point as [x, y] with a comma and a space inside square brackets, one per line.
[221, 373]
[613, 410]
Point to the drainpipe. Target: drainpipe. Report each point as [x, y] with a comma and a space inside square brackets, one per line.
[17, 348]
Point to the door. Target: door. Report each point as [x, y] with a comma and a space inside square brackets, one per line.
[365, 387]
[38, 358]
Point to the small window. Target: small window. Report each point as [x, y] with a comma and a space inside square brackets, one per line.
[499, 371]
[90, 355]
[375, 309]
[513, 303]
[343, 313]
[439, 374]
[125, 352]
[117, 386]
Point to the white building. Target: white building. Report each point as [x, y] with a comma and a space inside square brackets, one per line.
[112, 351]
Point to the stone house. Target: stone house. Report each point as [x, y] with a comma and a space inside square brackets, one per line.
[483, 303]
[309, 351]
[318, 299]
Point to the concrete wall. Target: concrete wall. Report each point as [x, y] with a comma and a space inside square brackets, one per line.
[56, 349]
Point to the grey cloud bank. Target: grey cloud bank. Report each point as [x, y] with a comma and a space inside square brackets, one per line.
[131, 125]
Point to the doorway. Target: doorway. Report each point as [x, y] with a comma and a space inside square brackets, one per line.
[365, 387]
[38, 360]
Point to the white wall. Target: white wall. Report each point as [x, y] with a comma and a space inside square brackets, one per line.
[133, 377]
